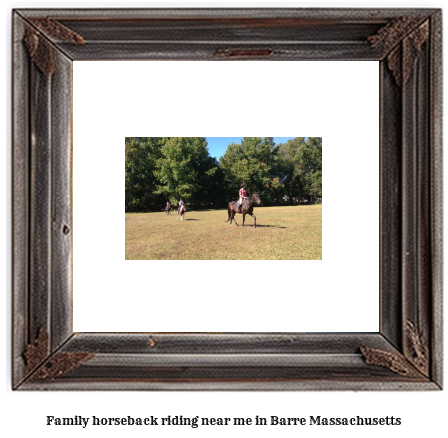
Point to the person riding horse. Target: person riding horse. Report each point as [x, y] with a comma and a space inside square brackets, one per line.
[242, 197]
[181, 204]
[181, 210]
[247, 207]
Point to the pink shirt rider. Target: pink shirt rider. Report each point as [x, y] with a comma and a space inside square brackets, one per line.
[243, 195]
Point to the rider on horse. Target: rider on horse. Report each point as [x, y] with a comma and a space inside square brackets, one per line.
[181, 204]
[242, 197]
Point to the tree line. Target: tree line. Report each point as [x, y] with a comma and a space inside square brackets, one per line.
[161, 169]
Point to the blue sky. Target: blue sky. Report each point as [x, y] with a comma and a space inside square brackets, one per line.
[217, 146]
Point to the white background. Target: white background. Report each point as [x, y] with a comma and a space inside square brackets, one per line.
[422, 414]
[334, 100]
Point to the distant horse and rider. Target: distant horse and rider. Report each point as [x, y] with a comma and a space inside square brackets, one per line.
[181, 209]
[168, 208]
[246, 207]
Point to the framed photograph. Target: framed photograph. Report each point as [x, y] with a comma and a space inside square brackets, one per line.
[178, 345]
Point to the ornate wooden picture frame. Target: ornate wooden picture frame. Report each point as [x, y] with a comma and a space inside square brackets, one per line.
[406, 353]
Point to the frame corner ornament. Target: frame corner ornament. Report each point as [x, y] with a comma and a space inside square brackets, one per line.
[401, 40]
[396, 363]
[412, 363]
[40, 49]
[37, 351]
[417, 348]
[41, 366]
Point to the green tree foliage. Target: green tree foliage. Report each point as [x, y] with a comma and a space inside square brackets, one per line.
[158, 169]
[316, 185]
[253, 163]
[185, 169]
[299, 167]
[141, 155]
[288, 170]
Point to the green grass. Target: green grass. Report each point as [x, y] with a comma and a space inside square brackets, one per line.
[282, 233]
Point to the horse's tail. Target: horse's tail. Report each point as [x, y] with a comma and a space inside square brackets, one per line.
[228, 211]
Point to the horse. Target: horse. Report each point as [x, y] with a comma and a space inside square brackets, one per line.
[246, 208]
[168, 209]
[181, 212]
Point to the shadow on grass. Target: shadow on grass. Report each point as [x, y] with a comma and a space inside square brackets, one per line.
[199, 210]
[191, 219]
[267, 226]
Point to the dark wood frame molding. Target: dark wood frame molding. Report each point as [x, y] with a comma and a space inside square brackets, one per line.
[406, 354]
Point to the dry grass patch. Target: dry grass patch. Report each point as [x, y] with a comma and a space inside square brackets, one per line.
[282, 233]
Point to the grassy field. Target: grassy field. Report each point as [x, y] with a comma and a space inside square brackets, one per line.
[282, 233]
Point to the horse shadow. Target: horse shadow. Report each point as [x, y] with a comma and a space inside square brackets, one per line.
[270, 226]
[191, 219]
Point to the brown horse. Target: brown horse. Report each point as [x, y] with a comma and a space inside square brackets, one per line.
[181, 212]
[246, 208]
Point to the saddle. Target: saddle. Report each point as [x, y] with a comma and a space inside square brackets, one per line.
[238, 205]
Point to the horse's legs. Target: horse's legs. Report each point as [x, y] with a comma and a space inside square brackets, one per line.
[244, 218]
[255, 220]
[234, 220]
